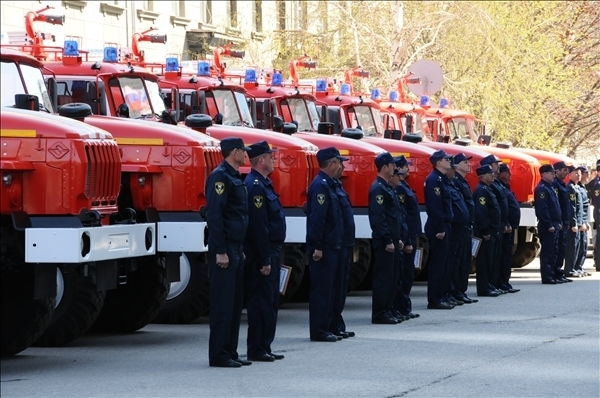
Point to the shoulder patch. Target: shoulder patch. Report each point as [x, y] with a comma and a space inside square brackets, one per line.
[219, 187]
[258, 201]
[556, 191]
[379, 199]
[402, 198]
[482, 200]
[437, 190]
[321, 198]
[596, 192]
[542, 195]
[256, 182]
[572, 197]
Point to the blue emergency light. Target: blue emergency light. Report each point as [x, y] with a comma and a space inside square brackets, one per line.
[203, 68]
[424, 100]
[250, 76]
[321, 86]
[71, 48]
[172, 64]
[110, 54]
[345, 89]
[393, 96]
[375, 94]
[444, 103]
[277, 79]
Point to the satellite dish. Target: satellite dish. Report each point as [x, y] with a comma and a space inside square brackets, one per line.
[431, 76]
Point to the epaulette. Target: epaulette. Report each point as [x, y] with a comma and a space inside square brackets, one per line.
[256, 182]
[439, 178]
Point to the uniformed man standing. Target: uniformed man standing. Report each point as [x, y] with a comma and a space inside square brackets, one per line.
[409, 202]
[461, 220]
[595, 199]
[561, 171]
[338, 325]
[508, 239]
[501, 196]
[488, 227]
[227, 220]
[585, 218]
[547, 211]
[264, 240]
[438, 204]
[574, 232]
[386, 223]
[324, 230]
[462, 167]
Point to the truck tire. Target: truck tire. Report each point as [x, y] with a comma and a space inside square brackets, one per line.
[292, 256]
[188, 299]
[78, 304]
[526, 252]
[360, 263]
[23, 318]
[135, 304]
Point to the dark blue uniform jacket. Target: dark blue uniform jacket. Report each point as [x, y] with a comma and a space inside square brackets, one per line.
[563, 199]
[514, 210]
[324, 225]
[438, 203]
[408, 199]
[385, 215]
[349, 234]
[488, 219]
[547, 208]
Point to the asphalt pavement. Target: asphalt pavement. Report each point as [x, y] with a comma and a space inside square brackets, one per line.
[543, 341]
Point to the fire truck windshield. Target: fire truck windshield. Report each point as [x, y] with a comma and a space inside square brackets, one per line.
[34, 84]
[304, 113]
[459, 127]
[417, 123]
[233, 106]
[366, 118]
[141, 103]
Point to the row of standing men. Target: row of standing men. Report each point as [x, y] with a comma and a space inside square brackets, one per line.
[247, 230]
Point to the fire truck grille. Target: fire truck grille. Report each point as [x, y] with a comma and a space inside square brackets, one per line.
[103, 177]
[313, 166]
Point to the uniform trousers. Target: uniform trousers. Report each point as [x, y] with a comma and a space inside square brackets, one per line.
[549, 241]
[573, 241]
[437, 270]
[340, 290]
[385, 280]
[403, 303]
[456, 258]
[262, 302]
[508, 249]
[322, 274]
[597, 241]
[226, 302]
[467, 259]
[485, 262]
[557, 271]
[582, 252]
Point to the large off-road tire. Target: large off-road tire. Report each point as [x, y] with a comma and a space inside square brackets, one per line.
[23, 318]
[292, 256]
[526, 252]
[135, 304]
[188, 299]
[78, 304]
[361, 261]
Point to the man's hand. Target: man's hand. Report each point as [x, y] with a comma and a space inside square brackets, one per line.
[408, 249]
[400, 245]
[441, 235]
[223, 260]
[487, 237]
[389, 248]
[551, 229]
[573, 229]
[317, 255]
[265, 270]
[508, 229]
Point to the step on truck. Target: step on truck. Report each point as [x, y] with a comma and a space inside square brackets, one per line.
[62, 235]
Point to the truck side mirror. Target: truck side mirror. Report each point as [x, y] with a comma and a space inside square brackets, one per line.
[27, 102]
[278, 124]
[409, 124]
[484, 140]
[52, 87]
[392, 134]
[325, 128]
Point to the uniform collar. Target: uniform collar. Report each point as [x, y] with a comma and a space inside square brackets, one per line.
[559, 181]
[383, 181]
[546, 183]
[330, 181]
[230, 169]
[256, 174]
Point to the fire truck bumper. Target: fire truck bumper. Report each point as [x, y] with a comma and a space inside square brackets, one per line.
[181, 236]
[82, 245]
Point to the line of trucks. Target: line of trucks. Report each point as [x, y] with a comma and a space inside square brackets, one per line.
[104, 167]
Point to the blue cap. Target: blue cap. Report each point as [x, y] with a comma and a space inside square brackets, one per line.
[546, 169]
[486, 169]
[438, 155]
[461, 157]
[489, 160]
[259, 148]
[230, 143]
[560, 165]
[384, 158]
[329, 153]
[503, 168]
[401, 161]
[583, 169]
[398, 172]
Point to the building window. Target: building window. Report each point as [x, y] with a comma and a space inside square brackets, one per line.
[303, 17]
[281, 14]
[232, 11]
[257, 12]
[178, 8]
[148, 5]
[207, 11]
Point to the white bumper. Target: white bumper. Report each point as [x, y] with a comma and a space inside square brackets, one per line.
[79, 245]
[181, 237]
